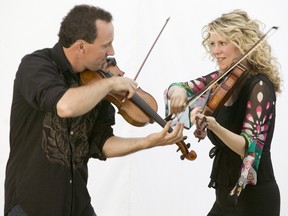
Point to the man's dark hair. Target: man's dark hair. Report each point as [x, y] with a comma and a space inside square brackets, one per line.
[80, 24]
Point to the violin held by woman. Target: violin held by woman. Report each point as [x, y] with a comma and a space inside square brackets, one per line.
[242, 124]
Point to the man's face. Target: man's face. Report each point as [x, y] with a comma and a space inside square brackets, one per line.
[97, 52]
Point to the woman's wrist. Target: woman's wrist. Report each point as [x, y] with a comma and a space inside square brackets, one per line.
[214, 126]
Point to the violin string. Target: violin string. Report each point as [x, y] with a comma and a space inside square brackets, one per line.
[148, 110]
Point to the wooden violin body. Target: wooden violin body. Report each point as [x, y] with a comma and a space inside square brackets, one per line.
[223, 91]
[129, 110]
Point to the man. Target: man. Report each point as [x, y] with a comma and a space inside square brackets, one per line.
[57, 125]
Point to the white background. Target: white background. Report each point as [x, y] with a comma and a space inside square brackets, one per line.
[153, 182]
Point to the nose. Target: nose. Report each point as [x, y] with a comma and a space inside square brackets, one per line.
[110, 51]
[216, 49]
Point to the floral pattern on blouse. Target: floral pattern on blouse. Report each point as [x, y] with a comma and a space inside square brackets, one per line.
[255, 129]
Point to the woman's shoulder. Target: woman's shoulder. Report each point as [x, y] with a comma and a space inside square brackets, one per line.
[259, 83]
[259, 78]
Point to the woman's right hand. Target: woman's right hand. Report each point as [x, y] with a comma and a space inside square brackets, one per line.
[178, 97]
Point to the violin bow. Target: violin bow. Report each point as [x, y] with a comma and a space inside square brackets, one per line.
[151, 49]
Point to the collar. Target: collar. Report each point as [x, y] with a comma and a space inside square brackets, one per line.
[63, 65]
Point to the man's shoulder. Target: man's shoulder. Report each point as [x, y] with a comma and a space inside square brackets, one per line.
[40, 53]
[36, 60]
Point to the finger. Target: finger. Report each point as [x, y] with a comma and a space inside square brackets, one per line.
[179, 135]
[172, 105]
[167, 126]
[178, 131]
[181, 104]
[131, 92]
[132, 89]
[134, 85]
[193, 117]
[177, 107]
[196, 110]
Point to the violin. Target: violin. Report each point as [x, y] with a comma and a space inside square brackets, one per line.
[222, 92]
[127, 108]
[219, 96]
[139, 110]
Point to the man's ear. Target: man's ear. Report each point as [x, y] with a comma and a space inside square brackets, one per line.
[80, 45]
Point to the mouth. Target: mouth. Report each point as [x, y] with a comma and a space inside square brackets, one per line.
[220, 59]
[221, 62]
[103, 64]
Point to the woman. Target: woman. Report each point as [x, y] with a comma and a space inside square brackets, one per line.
[241, 129]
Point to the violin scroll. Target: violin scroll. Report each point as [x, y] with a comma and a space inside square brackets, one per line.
[189, 155]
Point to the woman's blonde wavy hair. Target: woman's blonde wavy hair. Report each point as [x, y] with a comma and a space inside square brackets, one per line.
[244, 32]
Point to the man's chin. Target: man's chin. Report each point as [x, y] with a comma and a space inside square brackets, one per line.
[97, 68]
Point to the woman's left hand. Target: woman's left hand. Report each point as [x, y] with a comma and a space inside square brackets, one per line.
[197, 116]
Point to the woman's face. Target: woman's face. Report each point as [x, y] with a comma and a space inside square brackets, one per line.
[224, 52]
